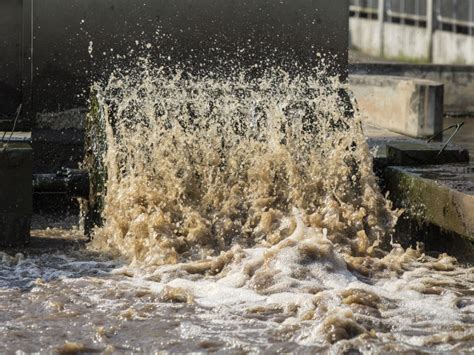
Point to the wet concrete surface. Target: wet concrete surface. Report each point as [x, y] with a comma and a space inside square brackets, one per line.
[465, 136]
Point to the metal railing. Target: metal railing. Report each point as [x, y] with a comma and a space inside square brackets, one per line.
[455, 16]
[449, 15]
[364, 8]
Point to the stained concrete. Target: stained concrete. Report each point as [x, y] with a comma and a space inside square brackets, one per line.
[406, 42]
[364, 35]
[435, 198]
[453, 48]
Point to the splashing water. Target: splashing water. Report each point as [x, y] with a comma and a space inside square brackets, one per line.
[197, 167]
[251, 192]
[250, 219]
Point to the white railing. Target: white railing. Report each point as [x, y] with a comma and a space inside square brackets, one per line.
[447, 15]
[454, 22]
[362, 9]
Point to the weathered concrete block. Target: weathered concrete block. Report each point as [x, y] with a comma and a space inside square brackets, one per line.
[421, 153]
[441, 195]
[458, 80]
[15, 192]
[413, 107]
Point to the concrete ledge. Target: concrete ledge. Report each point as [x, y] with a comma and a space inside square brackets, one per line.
[439, 195]
[57, 149]
[422, 153]
[413, 107]
[69, 119]
[458, 80]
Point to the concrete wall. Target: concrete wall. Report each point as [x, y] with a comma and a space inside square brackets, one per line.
[458, 80]
[10, 54]
[364, 35]
[453, 48]
[405, 42]
[412, 107]
[15, 193]
[199, 34]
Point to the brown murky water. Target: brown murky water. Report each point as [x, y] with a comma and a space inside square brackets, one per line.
[76, 300]
[233, 224]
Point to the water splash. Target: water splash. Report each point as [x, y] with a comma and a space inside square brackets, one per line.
[231, 190]
[197, 166]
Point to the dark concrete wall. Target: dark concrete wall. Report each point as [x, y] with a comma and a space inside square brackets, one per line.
[10, 56]
[15, 193]
[198, 33]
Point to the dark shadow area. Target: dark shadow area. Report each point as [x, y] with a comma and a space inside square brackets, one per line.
[58, 205]
[10, 98]
[435, 240]
[56, 249]
[51, 233]
[54, 150]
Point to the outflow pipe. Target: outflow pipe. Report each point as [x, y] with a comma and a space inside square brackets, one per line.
[72, 182]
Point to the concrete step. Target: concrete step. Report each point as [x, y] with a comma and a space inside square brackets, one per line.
[410, 153]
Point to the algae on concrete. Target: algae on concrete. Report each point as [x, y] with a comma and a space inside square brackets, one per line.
[430, 201]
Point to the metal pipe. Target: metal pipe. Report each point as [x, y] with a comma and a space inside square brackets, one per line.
[74, 183]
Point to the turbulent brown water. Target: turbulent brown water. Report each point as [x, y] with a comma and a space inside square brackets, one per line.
[241, 215]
